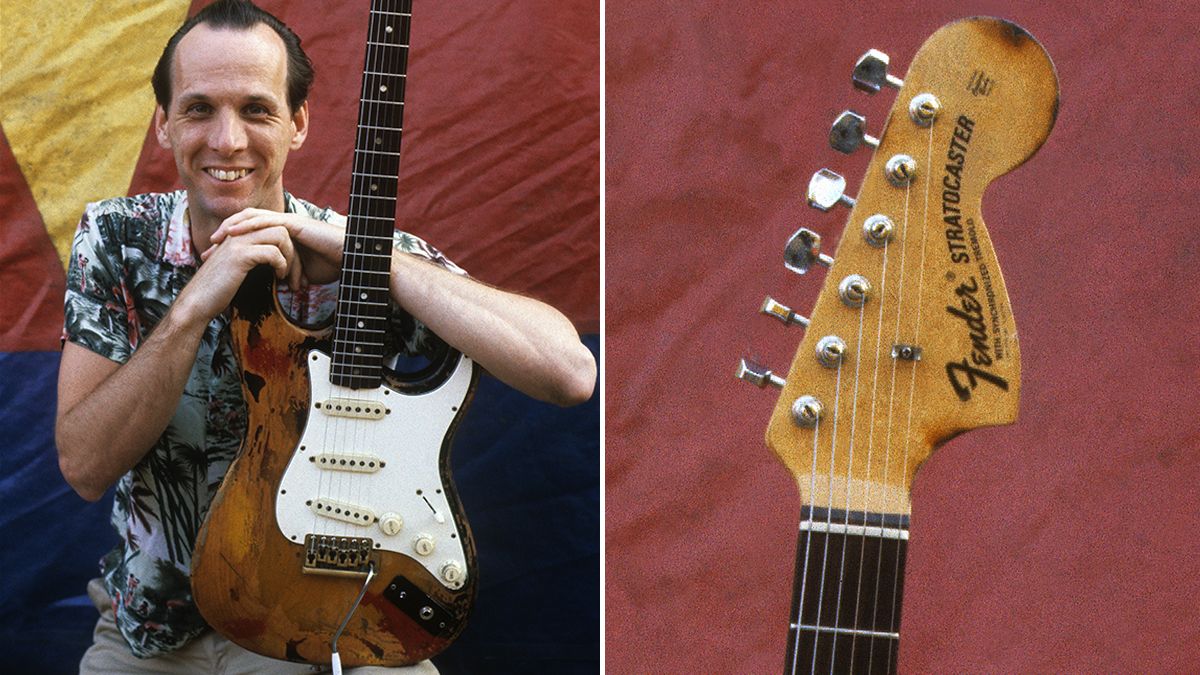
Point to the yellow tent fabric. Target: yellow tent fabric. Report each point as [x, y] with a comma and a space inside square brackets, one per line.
[75, 102]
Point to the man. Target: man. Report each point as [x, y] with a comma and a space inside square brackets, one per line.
[145, 376]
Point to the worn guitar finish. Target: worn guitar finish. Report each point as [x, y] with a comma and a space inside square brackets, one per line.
[344, 473]
[930, 353]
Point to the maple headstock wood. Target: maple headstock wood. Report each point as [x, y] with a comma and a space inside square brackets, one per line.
[936, 285]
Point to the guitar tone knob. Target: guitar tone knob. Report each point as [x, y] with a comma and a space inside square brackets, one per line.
[871, 73]
[423, 544]
[452, 573]
[391, 523]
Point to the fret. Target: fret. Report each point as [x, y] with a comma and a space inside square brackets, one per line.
[380, 11]
[389, 219]
[376, 43]
[847, 591]
[372, 100]
[377, 152]
[851, 631]
[833, 652]
[364, 174]
[369, 255]
[860, 530]
[368, 303]
[355, 195]
[357, 287]
[401, 76]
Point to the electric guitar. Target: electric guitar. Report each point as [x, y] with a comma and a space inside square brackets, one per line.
[338, 519]
[912, 340]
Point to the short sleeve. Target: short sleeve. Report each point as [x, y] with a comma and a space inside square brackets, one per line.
[98, 310]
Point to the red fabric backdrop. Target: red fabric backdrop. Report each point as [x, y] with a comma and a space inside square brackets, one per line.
[1065, 543]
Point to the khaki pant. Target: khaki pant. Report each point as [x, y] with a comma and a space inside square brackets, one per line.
[210, 654]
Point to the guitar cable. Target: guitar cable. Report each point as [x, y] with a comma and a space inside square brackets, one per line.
[337, 660]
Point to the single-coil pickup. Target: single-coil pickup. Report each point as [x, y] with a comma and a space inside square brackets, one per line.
[351, 407]
[341, 461]
[350, 513]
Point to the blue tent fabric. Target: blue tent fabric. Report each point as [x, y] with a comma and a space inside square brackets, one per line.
[528, 474]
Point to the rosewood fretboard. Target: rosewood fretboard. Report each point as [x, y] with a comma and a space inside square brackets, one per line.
[363, 300]
[847, 590]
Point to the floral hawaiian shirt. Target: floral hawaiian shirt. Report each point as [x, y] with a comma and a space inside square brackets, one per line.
[131, 257]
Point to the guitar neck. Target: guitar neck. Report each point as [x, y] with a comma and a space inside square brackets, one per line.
[363, 299]
[847, 590]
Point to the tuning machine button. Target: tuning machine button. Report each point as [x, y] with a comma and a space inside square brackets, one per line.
[782, 312]
[804, 249]
[849, 131]
[758, 375]
[870, 73]
[827, 189]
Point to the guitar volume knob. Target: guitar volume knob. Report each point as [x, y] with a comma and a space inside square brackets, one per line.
[391, 523]
[424, 544]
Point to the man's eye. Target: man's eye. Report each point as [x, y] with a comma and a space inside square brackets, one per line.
[198, 109]
[256, 110]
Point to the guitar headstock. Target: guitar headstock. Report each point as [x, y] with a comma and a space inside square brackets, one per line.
[912, 339]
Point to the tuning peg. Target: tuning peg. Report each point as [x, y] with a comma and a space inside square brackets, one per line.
[758, 375]
[849, 132]
[827, 189]
[870, 72]
[802, 250]
[782, 312]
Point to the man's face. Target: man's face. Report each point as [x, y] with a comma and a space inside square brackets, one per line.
[228, 124]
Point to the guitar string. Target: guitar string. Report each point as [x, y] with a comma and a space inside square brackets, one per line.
[849, 468]
[812, 488]
[916, 340]
[828, 513]
[870, 455]
[903, 234]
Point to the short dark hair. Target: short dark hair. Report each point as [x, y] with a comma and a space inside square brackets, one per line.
[238, 14]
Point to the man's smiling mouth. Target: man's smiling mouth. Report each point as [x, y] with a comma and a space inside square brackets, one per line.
[224, 175]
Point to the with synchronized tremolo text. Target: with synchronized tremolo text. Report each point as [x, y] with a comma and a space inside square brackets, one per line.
[912, 339]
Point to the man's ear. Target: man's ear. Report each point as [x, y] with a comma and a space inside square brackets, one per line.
[160, 127]
[300, 123]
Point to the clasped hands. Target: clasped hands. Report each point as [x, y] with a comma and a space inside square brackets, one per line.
[298, 248]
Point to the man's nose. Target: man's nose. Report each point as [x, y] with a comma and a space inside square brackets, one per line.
[228, 134]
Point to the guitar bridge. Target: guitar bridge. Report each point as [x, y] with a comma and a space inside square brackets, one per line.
[337, 556]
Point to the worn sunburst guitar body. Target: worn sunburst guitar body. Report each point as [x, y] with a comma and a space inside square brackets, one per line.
[912, 340]
[342, 484]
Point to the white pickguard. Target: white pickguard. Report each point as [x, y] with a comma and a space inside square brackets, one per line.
[408, 440]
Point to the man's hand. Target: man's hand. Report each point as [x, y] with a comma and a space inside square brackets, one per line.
[319, 244]
[225, 268]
